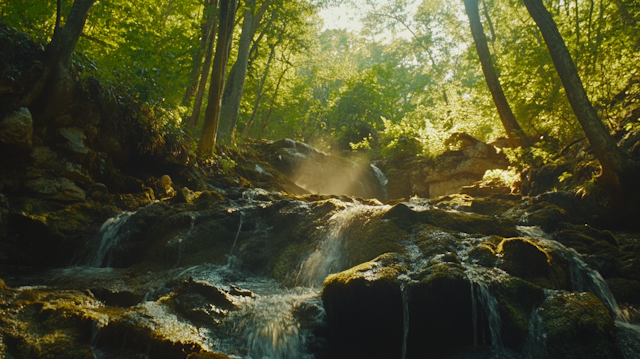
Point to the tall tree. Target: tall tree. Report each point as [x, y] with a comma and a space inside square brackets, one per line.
[54, 90]
[619, 172]
[216, 85]
[516, 136]
[192, 121]
[207, 28]
[235, 83]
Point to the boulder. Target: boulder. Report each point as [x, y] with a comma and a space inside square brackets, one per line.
[61, 189]
[578, 325]
[16, 130]
[75, 140]
[524, 259]
[364, 309]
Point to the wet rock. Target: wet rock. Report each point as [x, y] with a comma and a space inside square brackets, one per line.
[625, 290]
[440, 312]
[469, 223]
[517, 299]
[490, 206]
[524, 259]
[207, 356]
[210, 293]
[16, 130]
[483, 255]
[150, 329]
[578, 325]
[116, 298]
[364, 309]
[61, 189]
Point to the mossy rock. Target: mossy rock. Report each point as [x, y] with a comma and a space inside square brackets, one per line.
[484, 255]
[432, 240]
[545, 215]
[441, 320]
[490, 206]
[517, 299]
[469, 223]
[364, 309]
[578, 325]
[524, 259]
[625, 290]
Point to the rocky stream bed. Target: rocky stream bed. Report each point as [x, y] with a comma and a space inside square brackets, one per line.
[249, 273]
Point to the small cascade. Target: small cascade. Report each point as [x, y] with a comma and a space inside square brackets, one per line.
[583, 278]
[272, 331]
[405, 322]
[474, 313]
[329, 256]
[109, 236]
[535, 346]
[182, 241]
[237, 233]
[490, 305]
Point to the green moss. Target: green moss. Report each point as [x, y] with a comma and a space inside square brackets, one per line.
[469, 223]
[578, 325]
[384, 269]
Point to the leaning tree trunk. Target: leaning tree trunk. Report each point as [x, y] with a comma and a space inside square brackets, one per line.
[516, 136]
[54, 90]
[192, 121]
[206, 28]
[216, 85]
[235, 83]
[234, 87]
[619, 172]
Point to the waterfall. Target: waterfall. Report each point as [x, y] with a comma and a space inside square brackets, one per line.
[109, 236]
[535, 346]
[329, 257]
[237, 233]
[490, 304]
[272, 331]
[382, 179]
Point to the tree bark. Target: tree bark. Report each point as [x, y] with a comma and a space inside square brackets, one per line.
[245, 133]
[273, 100]
[216, 85]
[54, 90]
[192, 121]
[618, 170]
[234, 87]
[207, 28]
[516, 136]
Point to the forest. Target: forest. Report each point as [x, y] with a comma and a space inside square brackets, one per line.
[319, 179]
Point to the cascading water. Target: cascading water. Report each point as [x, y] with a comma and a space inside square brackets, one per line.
[329, 256]
[109, 236]
[583, 279]
[382, 179]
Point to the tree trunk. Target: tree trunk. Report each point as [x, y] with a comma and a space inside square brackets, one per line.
[192, 121]
[54, 90]
[245, 133]
[517, 137]
[618, 170]
[216, 85]
[273, 100]
[207, 28]
[235, 83]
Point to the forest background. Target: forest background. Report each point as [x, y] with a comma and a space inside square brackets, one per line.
[406, 80]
